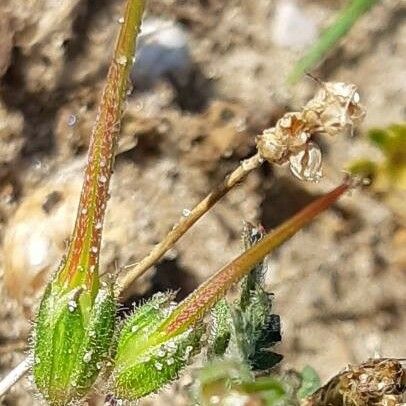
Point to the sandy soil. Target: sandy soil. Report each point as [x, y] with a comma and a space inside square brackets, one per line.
[339, 285]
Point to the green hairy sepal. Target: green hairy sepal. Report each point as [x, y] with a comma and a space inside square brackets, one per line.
[146, 360]
[220, 334]
[71, 340]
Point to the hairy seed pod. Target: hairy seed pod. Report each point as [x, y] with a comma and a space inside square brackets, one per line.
[76, 319]
[72, 339]
[146, 359]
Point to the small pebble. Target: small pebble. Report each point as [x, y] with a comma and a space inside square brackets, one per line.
[292, 27]
[162, 53]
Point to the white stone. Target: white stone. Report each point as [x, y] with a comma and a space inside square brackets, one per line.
[291, 27]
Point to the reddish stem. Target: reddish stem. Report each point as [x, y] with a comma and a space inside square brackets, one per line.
[85, 244]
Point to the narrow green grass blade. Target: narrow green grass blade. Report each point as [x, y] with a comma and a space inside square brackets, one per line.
[329, 38]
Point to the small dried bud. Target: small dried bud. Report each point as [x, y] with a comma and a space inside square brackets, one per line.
[72, 339]
[334, 109]
[291, 132]
[146, 358]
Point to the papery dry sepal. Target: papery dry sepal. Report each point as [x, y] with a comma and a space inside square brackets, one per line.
[333, 110]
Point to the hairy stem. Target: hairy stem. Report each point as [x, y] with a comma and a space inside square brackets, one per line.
[85, 244]
[136, 270]
[194, 307]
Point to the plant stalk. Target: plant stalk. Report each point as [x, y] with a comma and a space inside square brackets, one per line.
[85, 244]
[134, 271]
[14, 376]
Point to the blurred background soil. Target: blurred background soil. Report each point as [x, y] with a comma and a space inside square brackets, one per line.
[339, 285]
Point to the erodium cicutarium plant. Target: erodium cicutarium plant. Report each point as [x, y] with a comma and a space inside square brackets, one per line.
[76, 336]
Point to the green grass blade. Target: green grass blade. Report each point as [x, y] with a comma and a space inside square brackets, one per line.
[329, 38]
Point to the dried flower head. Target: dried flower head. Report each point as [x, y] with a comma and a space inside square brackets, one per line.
[337, 107]
[334, 109]
[375, 382]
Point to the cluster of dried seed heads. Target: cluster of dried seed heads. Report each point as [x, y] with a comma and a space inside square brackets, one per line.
[378, 381]
[334, 109]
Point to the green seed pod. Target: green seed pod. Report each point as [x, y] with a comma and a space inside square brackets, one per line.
[72, 339]
[146, 359]
[76, 319]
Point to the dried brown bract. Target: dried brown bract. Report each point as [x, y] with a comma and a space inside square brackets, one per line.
[334, 109]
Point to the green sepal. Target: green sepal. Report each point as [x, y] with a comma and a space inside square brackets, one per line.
[71, 341]
[145, 360]
[220, 322]
[140, 326]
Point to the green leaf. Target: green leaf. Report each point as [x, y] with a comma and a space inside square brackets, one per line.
[229, 382]
[390, 172]
[310, 382]
[270, 389]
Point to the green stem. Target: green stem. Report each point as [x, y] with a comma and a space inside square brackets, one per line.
[195, 306]
[81, 265]
[345, 20]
